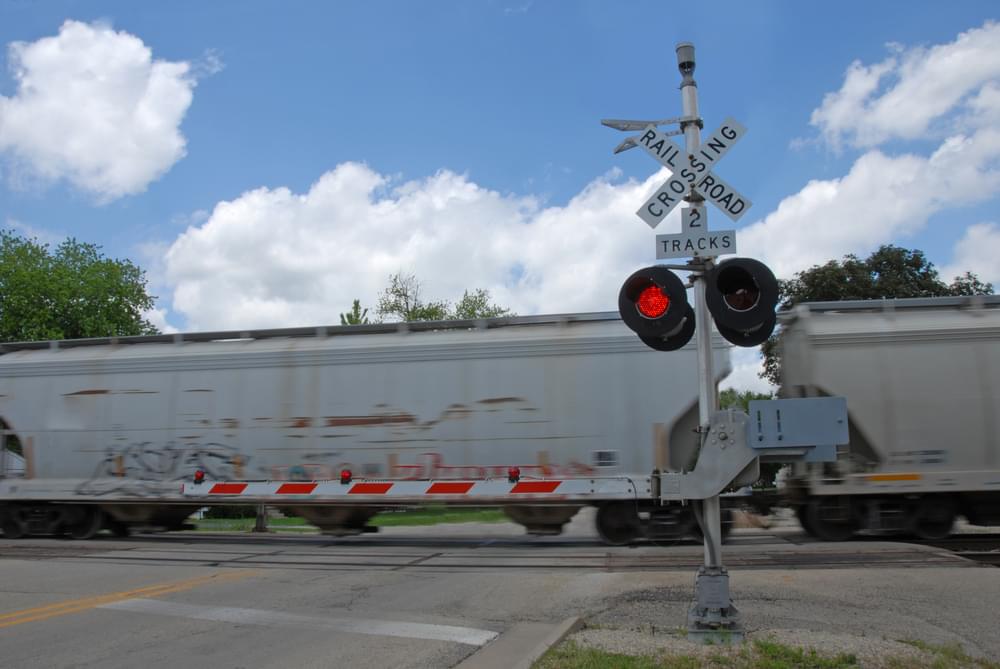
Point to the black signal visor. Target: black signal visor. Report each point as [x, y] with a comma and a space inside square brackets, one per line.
[740, 293]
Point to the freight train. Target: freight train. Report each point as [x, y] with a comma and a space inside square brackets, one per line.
[922, 382]
[539, 415]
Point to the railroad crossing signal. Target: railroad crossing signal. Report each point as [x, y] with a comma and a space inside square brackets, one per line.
[740, 293]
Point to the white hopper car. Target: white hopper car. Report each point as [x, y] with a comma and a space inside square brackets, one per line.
[113, 431]
[922, 382]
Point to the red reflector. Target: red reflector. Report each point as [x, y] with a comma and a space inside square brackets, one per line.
[457, 488]
[227, 488]
[652, 302]
[296, 488]
[535, 487]
[369, 489]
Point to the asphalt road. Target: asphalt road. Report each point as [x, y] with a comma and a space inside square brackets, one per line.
[432, 597]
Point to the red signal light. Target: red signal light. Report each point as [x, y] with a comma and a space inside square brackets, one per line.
[199, 477]
[513, 474]
[652, 302]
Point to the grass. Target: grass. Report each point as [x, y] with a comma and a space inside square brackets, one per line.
[246, 524]
[758, 654]
[943, 656]
[430, 515]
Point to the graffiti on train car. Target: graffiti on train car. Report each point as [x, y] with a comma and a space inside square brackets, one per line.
[138, 464]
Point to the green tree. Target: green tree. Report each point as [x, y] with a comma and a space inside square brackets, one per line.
[71, 292]
[730, 398]
[356, 316]
[401, 300]
[477, 305]
[889, 272]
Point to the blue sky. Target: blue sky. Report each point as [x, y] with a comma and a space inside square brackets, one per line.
[267, 162]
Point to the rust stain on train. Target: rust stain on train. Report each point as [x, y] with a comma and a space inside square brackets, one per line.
[367, 421]
[300, 422]
[501, 400]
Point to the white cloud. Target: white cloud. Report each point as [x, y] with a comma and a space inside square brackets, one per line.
[881, 200]
[747, 365]
[272, 257]
[904, 95]
[884, 197]
[978, 251]
[158, 317]
[93, 107]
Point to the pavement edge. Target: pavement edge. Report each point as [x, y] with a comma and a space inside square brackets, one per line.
[512, 644]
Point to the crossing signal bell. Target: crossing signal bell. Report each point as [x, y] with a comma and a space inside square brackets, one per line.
[741, 294]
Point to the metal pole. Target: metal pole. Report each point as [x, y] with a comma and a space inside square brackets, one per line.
[260, 523]
[712, 609]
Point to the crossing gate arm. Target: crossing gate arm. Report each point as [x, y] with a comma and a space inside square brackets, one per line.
[375, 491]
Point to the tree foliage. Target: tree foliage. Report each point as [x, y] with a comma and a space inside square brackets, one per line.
[356, 316]
[477, 305]
[730, 398]
[889, 272]
[402, 301]
[70, 292]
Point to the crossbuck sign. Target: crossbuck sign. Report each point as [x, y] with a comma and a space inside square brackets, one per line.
[692, 172]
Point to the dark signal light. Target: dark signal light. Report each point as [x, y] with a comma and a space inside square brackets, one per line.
[741, 294]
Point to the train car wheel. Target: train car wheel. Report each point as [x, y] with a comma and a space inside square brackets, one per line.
[618, 523]
[119, 529]
[803, 517]
[934, 517]
[87, 522]
[13, 527]
[830, 518]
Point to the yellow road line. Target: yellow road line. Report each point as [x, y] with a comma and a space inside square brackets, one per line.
[76, 605]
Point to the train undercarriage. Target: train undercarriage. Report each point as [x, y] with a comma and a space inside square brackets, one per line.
[825, 517]
[617, 523]
[928, 516]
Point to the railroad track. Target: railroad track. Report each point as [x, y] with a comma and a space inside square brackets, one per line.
[983, 548]
[467, 553]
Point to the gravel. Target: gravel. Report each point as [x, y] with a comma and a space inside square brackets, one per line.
[869, 651]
